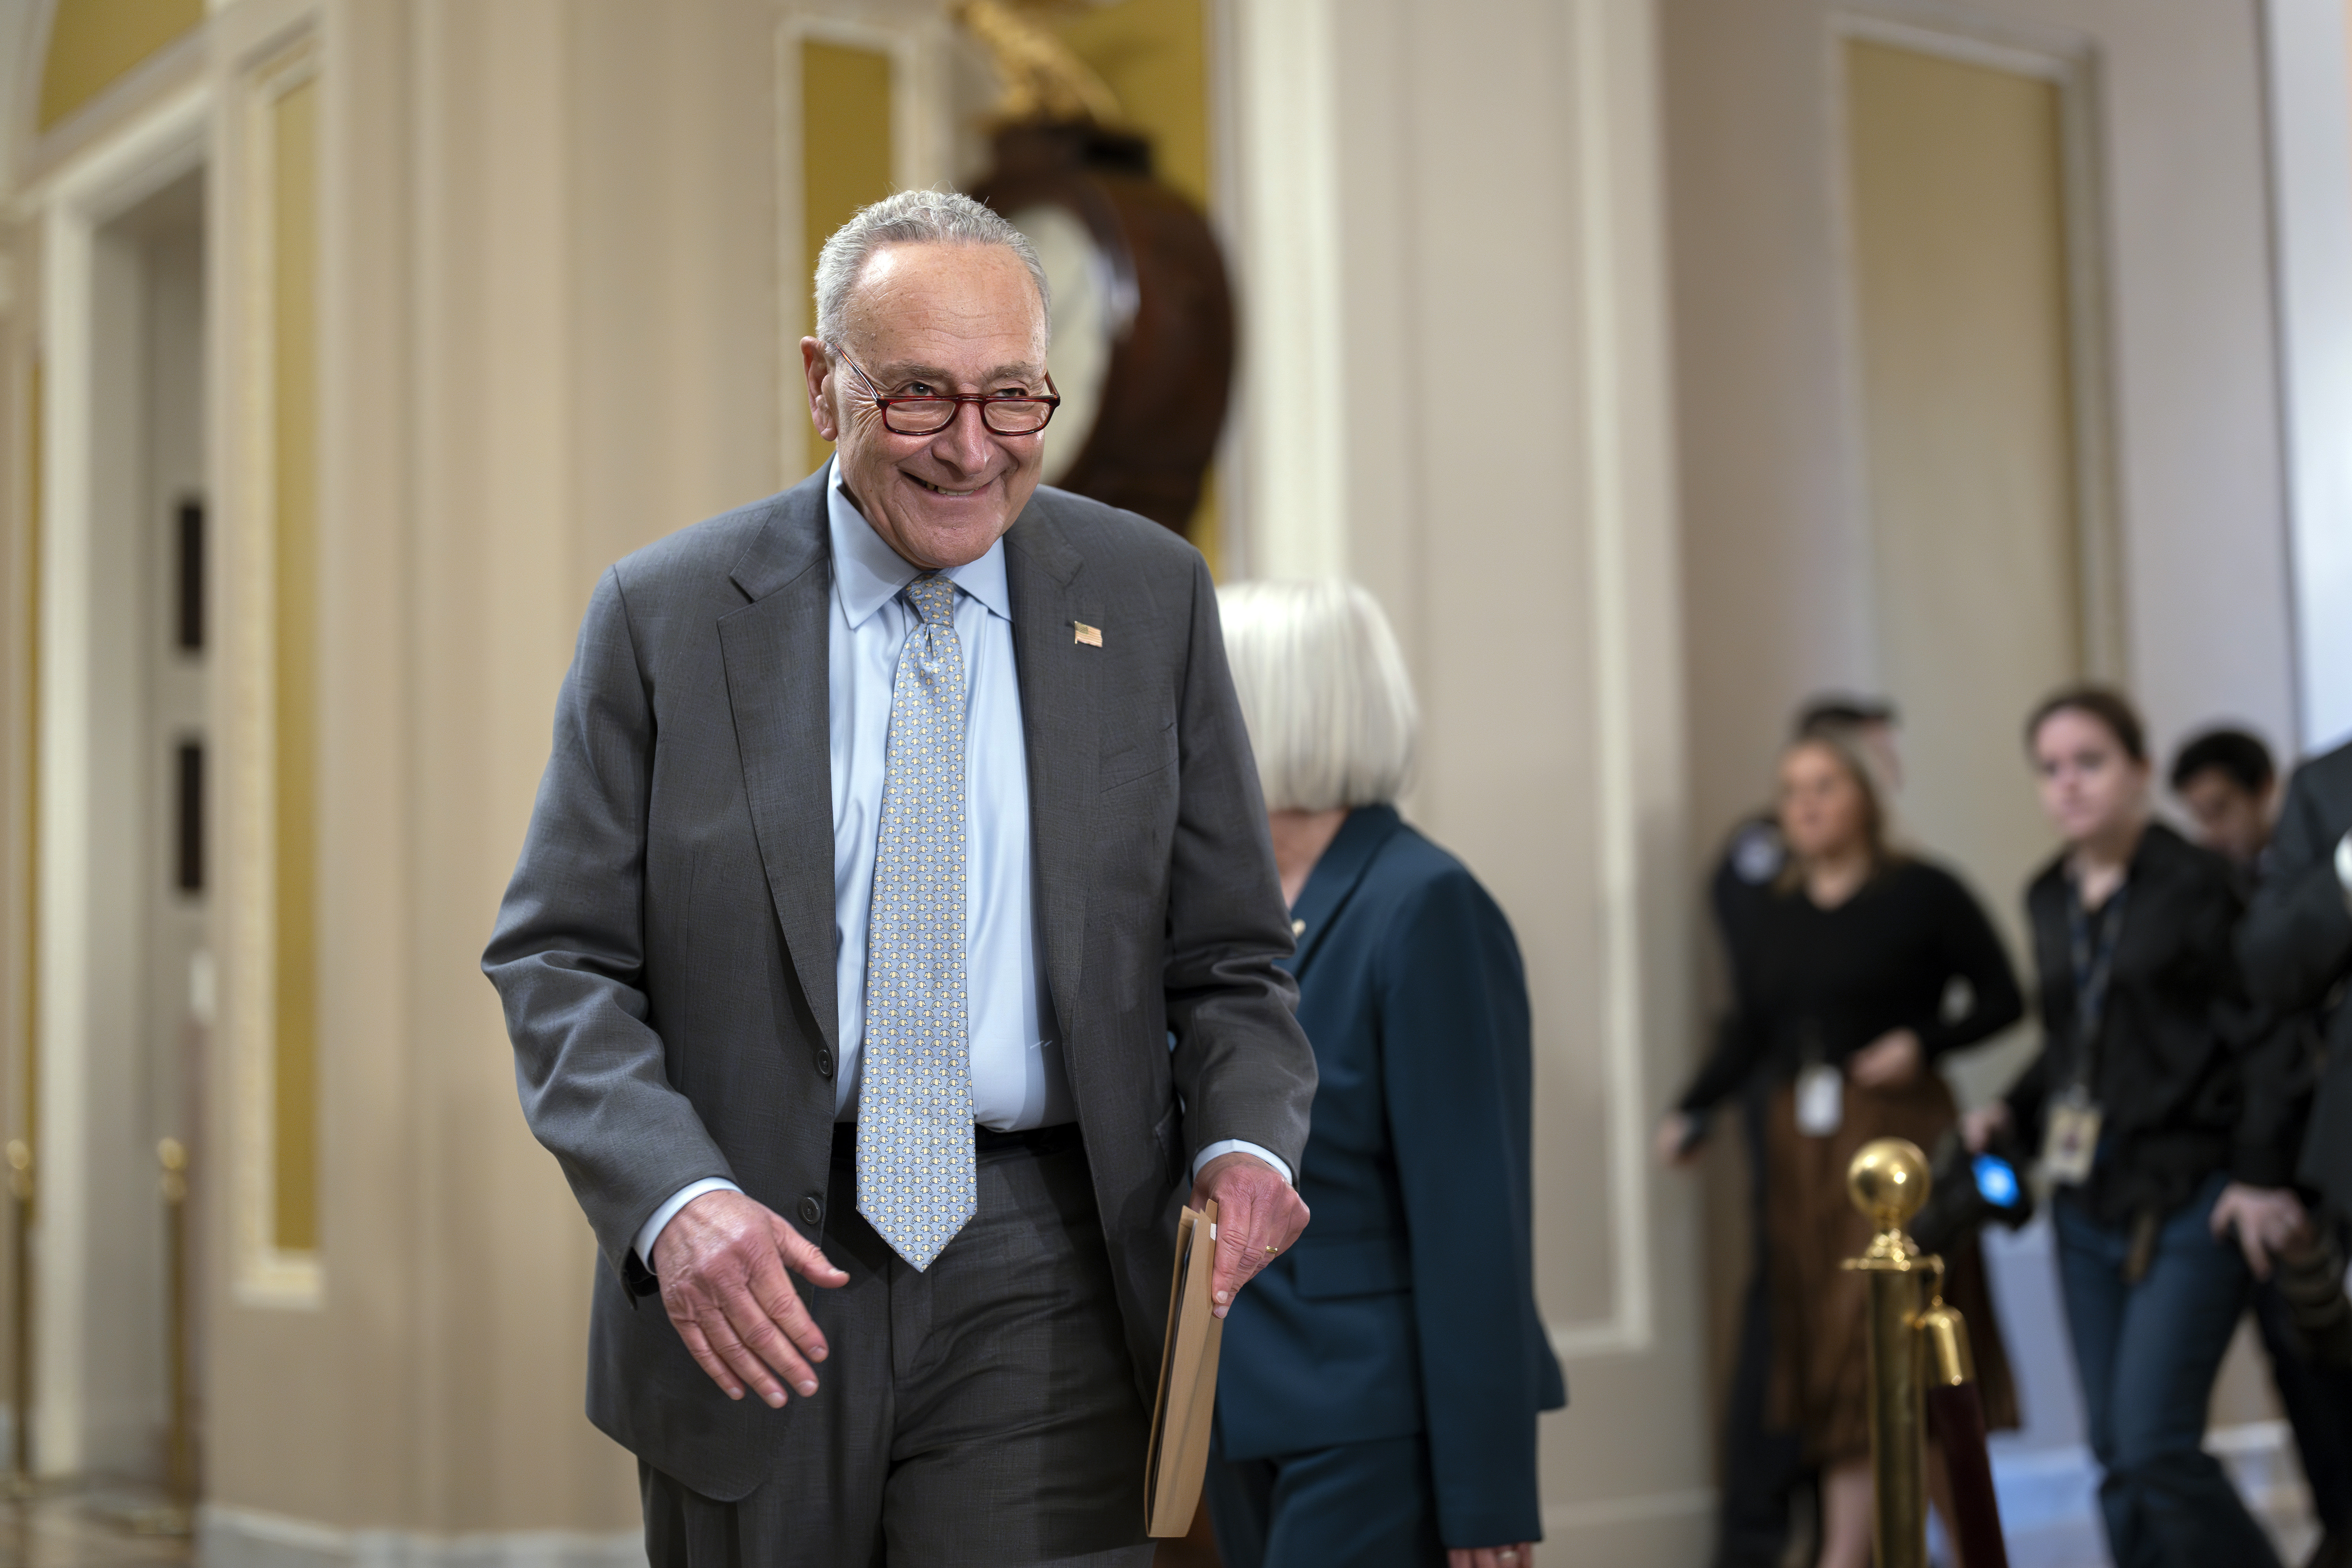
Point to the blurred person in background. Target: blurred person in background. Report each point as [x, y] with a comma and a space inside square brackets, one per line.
[2229, 784]
[1377, 1399]
[2296, 944]
[1753, 857]
[1764, 1474]
[2139, 1102]
[1840, 1009]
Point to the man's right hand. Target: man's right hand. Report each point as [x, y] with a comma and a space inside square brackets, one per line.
[721, 1262]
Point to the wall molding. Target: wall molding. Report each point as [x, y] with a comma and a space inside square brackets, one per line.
[1291, 426]
[76, 977]
[263, 1275]
[231, 1537]
[1626, 441]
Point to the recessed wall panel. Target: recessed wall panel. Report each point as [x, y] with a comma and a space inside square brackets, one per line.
[1956, 190]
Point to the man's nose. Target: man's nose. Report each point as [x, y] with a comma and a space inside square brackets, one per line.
[967, 441]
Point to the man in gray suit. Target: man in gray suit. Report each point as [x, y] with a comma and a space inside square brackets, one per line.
[2295, 945]
[897, 910]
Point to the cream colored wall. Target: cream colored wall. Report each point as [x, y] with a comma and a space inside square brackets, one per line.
[1500, 478]
[551, 333]
[551, 284]
[1780, 591]
[1776, 573]
[583, 354]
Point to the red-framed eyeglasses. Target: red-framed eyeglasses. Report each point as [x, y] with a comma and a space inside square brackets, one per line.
[1014, 415]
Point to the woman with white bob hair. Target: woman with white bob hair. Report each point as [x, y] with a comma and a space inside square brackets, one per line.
[1377, 1400]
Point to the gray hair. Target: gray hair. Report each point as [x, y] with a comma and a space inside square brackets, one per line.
[913, 218]
[1324, 692]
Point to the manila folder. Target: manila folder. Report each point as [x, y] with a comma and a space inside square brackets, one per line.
[1178, 1456]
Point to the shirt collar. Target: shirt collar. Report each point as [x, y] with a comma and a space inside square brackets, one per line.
[869, 574]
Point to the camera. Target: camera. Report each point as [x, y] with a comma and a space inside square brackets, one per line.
[1964, 1192]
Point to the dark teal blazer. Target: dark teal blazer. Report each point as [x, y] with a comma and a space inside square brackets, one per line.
[1409, 1304]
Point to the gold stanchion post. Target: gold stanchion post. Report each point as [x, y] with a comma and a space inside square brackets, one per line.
[181, 1459]
[20, 1324]
[177, 1515]
[1888, 1182]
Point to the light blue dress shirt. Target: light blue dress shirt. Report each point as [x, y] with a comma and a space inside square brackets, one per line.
[1017, 1077]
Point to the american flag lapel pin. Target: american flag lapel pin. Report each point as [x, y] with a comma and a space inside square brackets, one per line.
[1090, 635]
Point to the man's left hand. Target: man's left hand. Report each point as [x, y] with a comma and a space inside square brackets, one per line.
[1259, 1215]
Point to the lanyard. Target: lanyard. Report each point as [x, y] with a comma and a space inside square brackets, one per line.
[2095, 968]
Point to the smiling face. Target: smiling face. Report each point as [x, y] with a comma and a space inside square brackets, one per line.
[2091, 787]
[934, 318]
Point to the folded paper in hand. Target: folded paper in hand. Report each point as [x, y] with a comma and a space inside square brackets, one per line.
[1178, 1456]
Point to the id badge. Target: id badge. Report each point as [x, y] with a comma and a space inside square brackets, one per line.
[1821, 1099]
[2072, 1142]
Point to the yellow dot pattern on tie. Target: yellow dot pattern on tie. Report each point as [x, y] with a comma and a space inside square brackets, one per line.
[914, 1177]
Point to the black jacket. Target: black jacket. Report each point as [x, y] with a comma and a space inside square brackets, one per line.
[2296, 948]
[1811, 981]
[2186, 1069]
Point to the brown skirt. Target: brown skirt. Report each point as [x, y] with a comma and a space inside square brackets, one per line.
[1821, 1350]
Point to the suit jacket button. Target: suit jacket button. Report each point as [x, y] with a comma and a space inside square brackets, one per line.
[823, 1063]
[812, 1209]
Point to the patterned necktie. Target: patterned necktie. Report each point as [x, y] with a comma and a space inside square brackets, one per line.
[914, 1104]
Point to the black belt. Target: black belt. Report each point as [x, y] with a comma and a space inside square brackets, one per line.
[1057, 1139]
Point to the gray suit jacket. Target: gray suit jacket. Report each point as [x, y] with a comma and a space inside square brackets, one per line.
[664, 951]
[2295, 946]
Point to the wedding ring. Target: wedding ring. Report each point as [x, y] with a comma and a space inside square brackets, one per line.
[1273, 1249]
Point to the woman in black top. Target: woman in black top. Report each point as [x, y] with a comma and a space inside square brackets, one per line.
[1841, 1006]
[2139, 1102]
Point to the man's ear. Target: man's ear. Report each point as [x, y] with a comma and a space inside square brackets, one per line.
[816, 371]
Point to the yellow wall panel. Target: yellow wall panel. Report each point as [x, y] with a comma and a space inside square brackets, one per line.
[846, 155]
[1957, 176]
[1154, 55]
[94, 43]
[294, 379]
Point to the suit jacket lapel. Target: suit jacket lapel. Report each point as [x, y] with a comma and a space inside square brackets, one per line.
[1336, 875]
[1058, 677]
[774, 649]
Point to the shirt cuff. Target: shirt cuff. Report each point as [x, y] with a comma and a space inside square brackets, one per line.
[1239, 1146]
[650, 1232]
[2344, 865]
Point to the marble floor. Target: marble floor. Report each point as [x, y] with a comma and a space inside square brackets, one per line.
[104, 1529]
[87, 1530]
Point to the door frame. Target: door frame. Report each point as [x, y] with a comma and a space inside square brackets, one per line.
[160, 146]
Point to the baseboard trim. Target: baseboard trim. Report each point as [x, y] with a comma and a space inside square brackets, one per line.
[230, 1537]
